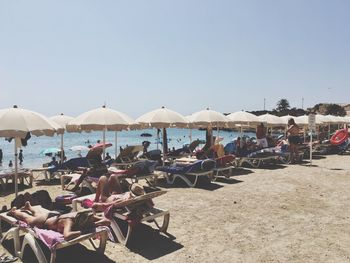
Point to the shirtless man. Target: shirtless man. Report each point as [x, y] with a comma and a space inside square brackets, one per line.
[36, 216]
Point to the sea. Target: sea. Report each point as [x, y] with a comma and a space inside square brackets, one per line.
[33, 157]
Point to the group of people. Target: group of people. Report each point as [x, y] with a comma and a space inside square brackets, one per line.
[10, 164]
[264, 140]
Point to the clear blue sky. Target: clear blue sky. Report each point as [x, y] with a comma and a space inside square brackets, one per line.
[72, 56]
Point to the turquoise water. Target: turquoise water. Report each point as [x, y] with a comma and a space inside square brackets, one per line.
[32, 158]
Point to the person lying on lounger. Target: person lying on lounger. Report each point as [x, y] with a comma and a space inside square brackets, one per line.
[71, 225]
[109, 192]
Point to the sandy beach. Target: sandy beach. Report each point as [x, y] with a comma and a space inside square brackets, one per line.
[292, 213]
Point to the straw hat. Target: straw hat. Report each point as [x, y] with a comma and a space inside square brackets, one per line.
[137, 189]
[218, 140]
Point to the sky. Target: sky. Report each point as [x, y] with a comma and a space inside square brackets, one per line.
[71, 56]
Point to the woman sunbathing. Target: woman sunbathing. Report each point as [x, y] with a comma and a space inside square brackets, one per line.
[71, 225]
[109, 192]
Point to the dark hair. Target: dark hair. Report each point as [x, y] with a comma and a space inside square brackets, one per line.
[291, 121]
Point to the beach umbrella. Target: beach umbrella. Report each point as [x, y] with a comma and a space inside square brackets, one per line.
[161, 119]
[101, 119]
[271, 120]
[62, 120]
[16, 123]
[209, 119]
[243, 117]
[286, 118]
[79, 148]
[52, 150]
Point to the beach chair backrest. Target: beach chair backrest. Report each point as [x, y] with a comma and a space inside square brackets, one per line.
[224, 160]
[208, 164]
[193, 145]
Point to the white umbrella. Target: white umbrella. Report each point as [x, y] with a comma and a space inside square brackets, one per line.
[161, 119]
[79, 148]
[210, 118]
[271, 120]
[101, 119]
[62, 120]
[286, 118]
[243, 117]
[15, 122]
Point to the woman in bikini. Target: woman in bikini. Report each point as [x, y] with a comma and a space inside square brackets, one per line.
[70, 225]
[109, 192]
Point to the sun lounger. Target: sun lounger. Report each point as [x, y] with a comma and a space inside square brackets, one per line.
[224, 166]
[140, 170]
[200, 168]
[53, 240]
[121, 217]
[127, 156]
[73, 178]
[24, 175]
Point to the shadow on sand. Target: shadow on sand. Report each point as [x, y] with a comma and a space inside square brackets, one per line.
[150, 244]
[202, 183]
[71, 254]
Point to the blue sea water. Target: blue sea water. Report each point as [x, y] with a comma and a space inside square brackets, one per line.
[32, 158]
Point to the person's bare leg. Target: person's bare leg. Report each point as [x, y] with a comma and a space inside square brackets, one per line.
[291, 146]
[114, 184]
[80, 180]
[23, 216]
[102, 191]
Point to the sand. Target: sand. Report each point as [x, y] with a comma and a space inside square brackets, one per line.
[291, 213]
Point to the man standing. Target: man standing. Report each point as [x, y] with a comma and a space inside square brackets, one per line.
[261, 136]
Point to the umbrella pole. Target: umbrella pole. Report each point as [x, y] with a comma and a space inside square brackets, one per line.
[104, 144]
[116, 145]
[165, 145]
[16, 168]
[62, 148]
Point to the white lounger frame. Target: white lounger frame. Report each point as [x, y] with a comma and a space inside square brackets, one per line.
[170, 178]
[30, 240]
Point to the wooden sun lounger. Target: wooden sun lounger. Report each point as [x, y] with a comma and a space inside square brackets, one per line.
[150, 215]
[30, 239]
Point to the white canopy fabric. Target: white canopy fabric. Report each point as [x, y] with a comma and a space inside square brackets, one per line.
[286, 118]
[162, 118]
[78, 148]
[16, 123]
[100, 119]
[243, 117]
[271, 120]
[61, 120]
[209, 118]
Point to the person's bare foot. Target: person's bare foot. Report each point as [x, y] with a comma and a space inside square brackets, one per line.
[27, 206]
[12, 211]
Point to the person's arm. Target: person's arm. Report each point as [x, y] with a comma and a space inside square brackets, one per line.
[67, 230]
